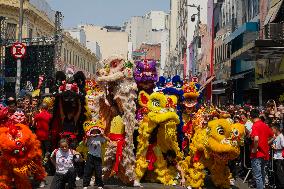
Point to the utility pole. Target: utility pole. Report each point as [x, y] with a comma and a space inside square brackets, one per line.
[19, 63]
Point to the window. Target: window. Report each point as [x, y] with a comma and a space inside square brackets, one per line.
[30, 33]
[65, 55]
[11, 31]
[73, 58]
[94, 68]
[70, 60]
[84, 64]
[78, 61]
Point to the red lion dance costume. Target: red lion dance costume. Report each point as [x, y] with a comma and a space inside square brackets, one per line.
[20, 157]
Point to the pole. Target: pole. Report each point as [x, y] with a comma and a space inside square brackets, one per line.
[19, 66]
[212, 56]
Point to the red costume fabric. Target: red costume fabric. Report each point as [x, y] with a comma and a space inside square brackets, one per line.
[151, 157]
[120, 138]
[42, 120]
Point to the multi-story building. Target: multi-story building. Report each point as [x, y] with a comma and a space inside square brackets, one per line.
[197, 19]
[159, 20]
[249, 44]
[173, 32]
[152, 28]
[182, 28]
[39, 22]
[111, 40]
[139, 30]
[79, 34]
[244, 29]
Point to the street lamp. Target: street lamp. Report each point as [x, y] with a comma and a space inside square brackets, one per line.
[196, 38]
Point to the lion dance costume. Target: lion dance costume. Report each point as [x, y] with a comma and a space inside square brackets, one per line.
[145, 75]
[157, 135]
[21, 157]
[190, 107]
[118, 112]
[212, 147]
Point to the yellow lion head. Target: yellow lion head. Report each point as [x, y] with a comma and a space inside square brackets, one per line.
[221, 139]
[161, 107]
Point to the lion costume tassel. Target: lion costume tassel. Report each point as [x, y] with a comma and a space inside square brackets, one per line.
[20, 157]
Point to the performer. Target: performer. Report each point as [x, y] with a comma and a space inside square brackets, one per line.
[68, 109]
[118, 111]
[21, 158]
[69, 122]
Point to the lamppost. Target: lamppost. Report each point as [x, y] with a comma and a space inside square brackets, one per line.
[19, 66]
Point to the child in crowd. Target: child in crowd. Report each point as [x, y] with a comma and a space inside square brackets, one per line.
[94, 159]
[63, 159]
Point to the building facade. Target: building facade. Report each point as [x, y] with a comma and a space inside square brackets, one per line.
[79, 34]
[159, 20]
[38, 22]
[139, 30]
[111, 40]
[249, 52]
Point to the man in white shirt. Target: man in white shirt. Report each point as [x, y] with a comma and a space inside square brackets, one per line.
[248, 123]
[278, 146]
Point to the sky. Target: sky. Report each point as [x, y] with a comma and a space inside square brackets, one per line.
[105, 12]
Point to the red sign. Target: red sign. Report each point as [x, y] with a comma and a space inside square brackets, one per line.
[19, 50]
[194, 79]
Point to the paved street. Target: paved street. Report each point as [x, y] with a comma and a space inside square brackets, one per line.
[239, 185]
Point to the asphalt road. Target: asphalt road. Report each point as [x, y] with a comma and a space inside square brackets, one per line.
[208, 185]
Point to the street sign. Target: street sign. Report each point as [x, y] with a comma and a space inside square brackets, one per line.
[18, 50]
[194, 79]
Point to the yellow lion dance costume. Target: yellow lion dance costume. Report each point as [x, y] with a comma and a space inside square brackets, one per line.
[212, 147]
[20, 158]
[157, 135]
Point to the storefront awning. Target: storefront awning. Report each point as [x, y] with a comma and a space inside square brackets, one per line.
[240, 75]
[218, 81]
[273, 11]
[260, 49]
[246, 27]
[218, 91]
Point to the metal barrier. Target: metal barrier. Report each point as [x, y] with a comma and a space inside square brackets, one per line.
[245, 164]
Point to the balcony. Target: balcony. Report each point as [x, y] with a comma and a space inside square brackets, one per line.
[274, 31]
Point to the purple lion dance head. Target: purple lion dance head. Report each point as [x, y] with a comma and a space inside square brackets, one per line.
[145, 74]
